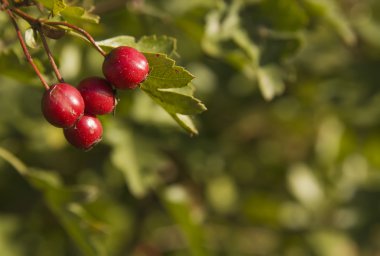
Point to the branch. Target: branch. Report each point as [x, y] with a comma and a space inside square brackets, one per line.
[79, 30]
[5, 4]
[50, 55]
[25, 16]
[36, 24]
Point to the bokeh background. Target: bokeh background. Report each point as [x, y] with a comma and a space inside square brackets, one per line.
[287, 160]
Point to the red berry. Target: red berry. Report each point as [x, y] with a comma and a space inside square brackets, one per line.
[98, 96]
[86, 133]
[125, 67]
[62, 105]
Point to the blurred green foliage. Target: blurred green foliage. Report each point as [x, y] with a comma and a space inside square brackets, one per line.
[287, 160]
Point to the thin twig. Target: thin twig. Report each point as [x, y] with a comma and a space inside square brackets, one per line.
[36, 24]
[22, 42]
[79, 30]
[33, 22]
[25, 16]
[50, 55]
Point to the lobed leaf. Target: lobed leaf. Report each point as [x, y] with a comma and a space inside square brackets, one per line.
[167, 84]
[160, 44]
[177, 103]
[77, 14]
[151, 44]
[164, 73]
[113, 42]
[70, 13]
[58, 6]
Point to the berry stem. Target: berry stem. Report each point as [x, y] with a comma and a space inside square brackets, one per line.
[50, 55]
[29, 58]
[36, 24]
[25, 16]
[79, 30]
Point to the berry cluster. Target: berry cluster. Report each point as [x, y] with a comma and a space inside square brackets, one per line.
[75, 109]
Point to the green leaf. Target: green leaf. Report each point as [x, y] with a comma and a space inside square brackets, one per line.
[160, 44]
[174, 102]
[270, 81]
[186, 123]
[76, 14]
[47, 3]
[149, 44]
[164, 73]
[180, 7]
[223, 29]
[63, 202]
[30, 38]
[188, 90]
[10, 66]
[79, 229]
[283, 15]
[279, 46]
[123, 157]
[178, 203]
[212, 36]
[58, 6]
[331, 13]
[368, 28]
[113, 42]
[16, 163]
[242, 39]
[331, 242]
[72, 14]
[167, 84]
[43, 180]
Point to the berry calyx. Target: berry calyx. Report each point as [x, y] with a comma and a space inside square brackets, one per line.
[125, 67]
[86, 133]
[62, 105]
[98, 95]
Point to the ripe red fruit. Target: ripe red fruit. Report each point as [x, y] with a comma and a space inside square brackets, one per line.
[86, 133]
[62, 105]
[98, 95]
[125, 67]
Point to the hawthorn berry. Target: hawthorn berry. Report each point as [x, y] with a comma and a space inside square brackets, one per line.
[62, 105]
[86, 133]
[125, 67]
[98, 95]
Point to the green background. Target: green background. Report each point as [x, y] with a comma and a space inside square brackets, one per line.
[287, 160]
